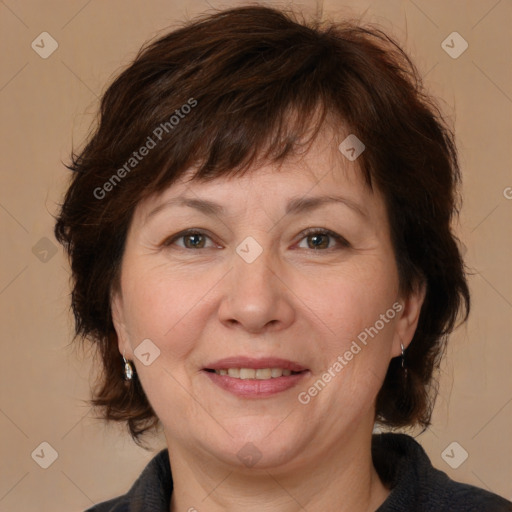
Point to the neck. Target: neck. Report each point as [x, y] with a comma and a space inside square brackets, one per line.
[344, 479]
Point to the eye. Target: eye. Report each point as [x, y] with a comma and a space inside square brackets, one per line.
[320, 239]
[192, 239]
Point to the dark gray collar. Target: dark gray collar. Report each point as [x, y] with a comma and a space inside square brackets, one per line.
[402, 464]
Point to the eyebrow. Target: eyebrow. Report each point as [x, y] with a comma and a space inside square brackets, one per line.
[295, 205]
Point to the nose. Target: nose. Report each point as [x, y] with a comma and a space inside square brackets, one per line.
[255, 295]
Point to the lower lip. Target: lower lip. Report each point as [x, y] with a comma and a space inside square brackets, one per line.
[256, 388]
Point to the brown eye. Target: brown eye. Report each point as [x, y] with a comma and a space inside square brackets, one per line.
[319, 239]
[191, 239]
[196, 241]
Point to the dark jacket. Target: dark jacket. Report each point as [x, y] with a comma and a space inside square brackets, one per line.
[402, 464]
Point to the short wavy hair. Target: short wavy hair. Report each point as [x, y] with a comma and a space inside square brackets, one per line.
[217, 93]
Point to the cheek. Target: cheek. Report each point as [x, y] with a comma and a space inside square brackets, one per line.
[354, 319]
[349, 298]
[163, 307]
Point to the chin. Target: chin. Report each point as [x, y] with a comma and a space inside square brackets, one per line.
[265, 445]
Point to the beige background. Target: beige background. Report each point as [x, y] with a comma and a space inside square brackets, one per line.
[47, 104]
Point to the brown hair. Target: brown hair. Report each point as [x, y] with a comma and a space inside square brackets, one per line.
[219, 92]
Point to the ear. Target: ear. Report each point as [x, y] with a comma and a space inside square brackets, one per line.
[408, 316]
[118, 319]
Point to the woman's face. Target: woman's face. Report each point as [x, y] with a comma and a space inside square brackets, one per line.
[249, 281]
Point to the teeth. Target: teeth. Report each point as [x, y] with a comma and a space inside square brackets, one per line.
[251, 373]
[247, 373]
[263, 373]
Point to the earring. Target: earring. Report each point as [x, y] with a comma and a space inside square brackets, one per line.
[403, 359]
[128, 369]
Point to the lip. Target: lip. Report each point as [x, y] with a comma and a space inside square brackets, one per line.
[250, 362]
[255, 388]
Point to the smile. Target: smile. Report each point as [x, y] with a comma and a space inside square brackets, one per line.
[251, 373]
[255, 383]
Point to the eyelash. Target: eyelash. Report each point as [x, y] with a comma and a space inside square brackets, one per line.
[306, 233]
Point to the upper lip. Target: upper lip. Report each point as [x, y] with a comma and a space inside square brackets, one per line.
[249, 362]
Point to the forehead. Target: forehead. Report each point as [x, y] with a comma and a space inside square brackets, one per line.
[318, 168]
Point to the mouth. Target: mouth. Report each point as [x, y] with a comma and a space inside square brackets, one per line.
[243, 367]
[252, 373]
[255, 378]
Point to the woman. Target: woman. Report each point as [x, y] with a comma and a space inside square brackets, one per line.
[259, 234]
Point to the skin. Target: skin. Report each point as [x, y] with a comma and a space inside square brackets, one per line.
[295, 301]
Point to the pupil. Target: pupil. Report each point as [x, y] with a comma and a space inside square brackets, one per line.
[315, 239]
[197, 242]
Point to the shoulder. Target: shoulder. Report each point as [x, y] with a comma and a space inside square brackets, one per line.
[416, 486]
[151, 491]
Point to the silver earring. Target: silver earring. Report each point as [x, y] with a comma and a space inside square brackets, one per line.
[403, 359]
[128, 369]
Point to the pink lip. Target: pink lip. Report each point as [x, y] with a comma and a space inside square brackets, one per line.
[255, 388]
[249, 362]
